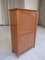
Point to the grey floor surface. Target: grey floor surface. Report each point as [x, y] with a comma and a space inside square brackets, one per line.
[37, 53]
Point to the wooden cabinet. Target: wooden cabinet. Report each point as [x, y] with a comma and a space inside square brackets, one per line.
[23, 29]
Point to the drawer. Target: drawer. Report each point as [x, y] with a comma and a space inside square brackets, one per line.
[25, 42]
[26, 23]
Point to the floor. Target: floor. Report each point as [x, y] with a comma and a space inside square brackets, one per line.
[37, 53]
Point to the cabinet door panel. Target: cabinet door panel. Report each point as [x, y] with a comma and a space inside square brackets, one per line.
[26, 42]
[26, 23]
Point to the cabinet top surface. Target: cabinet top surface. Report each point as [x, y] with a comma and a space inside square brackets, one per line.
[22, 9]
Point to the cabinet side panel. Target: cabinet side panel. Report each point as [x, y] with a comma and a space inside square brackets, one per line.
[14, 39]
[13, 17]
[14, 34]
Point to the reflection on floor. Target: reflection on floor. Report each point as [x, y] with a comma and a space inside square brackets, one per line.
[37, 53]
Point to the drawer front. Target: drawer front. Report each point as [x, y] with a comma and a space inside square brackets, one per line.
[26, 42]
[26, 23]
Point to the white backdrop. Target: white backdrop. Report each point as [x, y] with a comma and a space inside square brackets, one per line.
[4, 12]
[32, 4]
[0, 13]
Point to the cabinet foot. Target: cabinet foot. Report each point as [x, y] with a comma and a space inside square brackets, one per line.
[13, 51]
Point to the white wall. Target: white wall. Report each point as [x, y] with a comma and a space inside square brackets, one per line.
[4, 12]
[0, 14]
[22, 4]
[27, 4]
[15, 4]
[31, 4]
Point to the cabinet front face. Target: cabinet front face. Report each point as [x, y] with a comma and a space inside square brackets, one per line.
[26, 23]
[14, 38]
[26, 29]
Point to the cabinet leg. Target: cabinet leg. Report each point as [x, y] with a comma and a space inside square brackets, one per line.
[34, 46]
[13, 51]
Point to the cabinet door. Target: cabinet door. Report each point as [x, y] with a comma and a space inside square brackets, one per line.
[26, 22]
[26, 42]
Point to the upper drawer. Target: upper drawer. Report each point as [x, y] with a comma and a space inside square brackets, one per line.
[26, 22]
